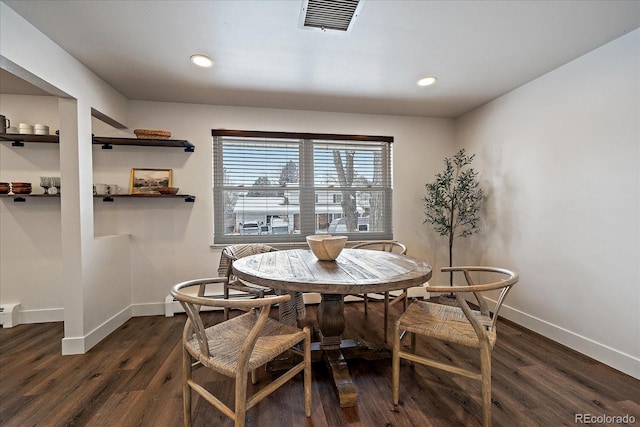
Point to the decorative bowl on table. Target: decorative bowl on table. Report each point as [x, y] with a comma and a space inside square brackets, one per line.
[326, 247]
[168, 190]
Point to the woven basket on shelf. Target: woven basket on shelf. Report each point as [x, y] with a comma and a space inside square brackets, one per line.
[152, 134]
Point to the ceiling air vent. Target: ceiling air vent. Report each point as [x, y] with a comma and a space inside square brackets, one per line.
[336, 15]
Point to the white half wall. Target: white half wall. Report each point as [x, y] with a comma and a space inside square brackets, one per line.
[559, 158]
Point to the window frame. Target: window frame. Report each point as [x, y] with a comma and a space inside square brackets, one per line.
[306, 185]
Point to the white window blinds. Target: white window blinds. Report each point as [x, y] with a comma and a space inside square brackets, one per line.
[278, 187]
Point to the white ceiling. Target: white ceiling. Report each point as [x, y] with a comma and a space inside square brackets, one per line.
[479, 50]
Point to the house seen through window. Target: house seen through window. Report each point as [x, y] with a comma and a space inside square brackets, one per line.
[279, 187]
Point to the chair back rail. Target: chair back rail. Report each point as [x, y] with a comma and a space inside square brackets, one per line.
[195, 325]
[504, 284]
[386, 246]
[383, 245]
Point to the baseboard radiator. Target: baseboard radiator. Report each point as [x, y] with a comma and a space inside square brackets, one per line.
[9, 315]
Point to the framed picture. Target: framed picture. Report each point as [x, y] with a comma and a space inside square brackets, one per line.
[147, 181]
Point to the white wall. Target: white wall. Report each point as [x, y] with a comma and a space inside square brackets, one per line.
[171, 239]
[30, 244]
[560, 159]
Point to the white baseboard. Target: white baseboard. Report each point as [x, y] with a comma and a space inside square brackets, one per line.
[623, 362]
[82, 344]
[42, 316]
[12, 315]
[148, 309]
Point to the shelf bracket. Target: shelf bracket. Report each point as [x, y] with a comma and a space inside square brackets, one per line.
[19, 199]
[17, 144]
[190, 199]
[107, 199]
[107, 147]
[189, 149]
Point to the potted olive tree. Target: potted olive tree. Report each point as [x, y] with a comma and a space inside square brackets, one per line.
[452, 202]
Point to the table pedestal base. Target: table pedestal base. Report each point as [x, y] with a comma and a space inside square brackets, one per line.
[345, 389]
[336, 361]
[335, 351]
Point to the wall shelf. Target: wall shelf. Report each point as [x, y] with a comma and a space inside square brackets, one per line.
[107, 143]
[23, 197]
[18, 140]
[110, 198]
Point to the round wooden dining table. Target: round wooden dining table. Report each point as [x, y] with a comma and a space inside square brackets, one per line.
[355, 271]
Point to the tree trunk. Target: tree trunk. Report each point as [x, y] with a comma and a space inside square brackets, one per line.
[345, 177]
[451, 236]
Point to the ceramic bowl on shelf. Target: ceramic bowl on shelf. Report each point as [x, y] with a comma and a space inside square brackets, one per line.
[21, 187]
[168, 190]
[326, 247]
[4, 188]
[21, 191]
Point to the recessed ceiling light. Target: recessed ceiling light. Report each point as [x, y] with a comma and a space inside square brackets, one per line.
[427, 81]
[201, 60]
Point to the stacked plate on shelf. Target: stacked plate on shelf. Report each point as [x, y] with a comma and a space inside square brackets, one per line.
[37, 129]
[21, 187]
[25, 129]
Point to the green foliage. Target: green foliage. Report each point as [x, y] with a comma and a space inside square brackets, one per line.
[452, 202]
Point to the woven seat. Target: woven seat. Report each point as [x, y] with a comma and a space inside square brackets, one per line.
[459, 325]
[444, 322]
[237, 347]
[389, 299]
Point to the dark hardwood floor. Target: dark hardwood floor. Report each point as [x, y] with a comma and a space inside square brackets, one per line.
[132, 378]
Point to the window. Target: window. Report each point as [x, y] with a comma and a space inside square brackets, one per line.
[279, 187]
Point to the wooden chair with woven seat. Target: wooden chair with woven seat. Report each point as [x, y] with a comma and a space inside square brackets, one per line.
[237, 347]
[459, 325]
[232, 253]
[389, 299]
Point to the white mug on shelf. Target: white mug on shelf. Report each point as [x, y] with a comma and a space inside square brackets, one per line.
[5, 124]
[100, 189]
[114, 189]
